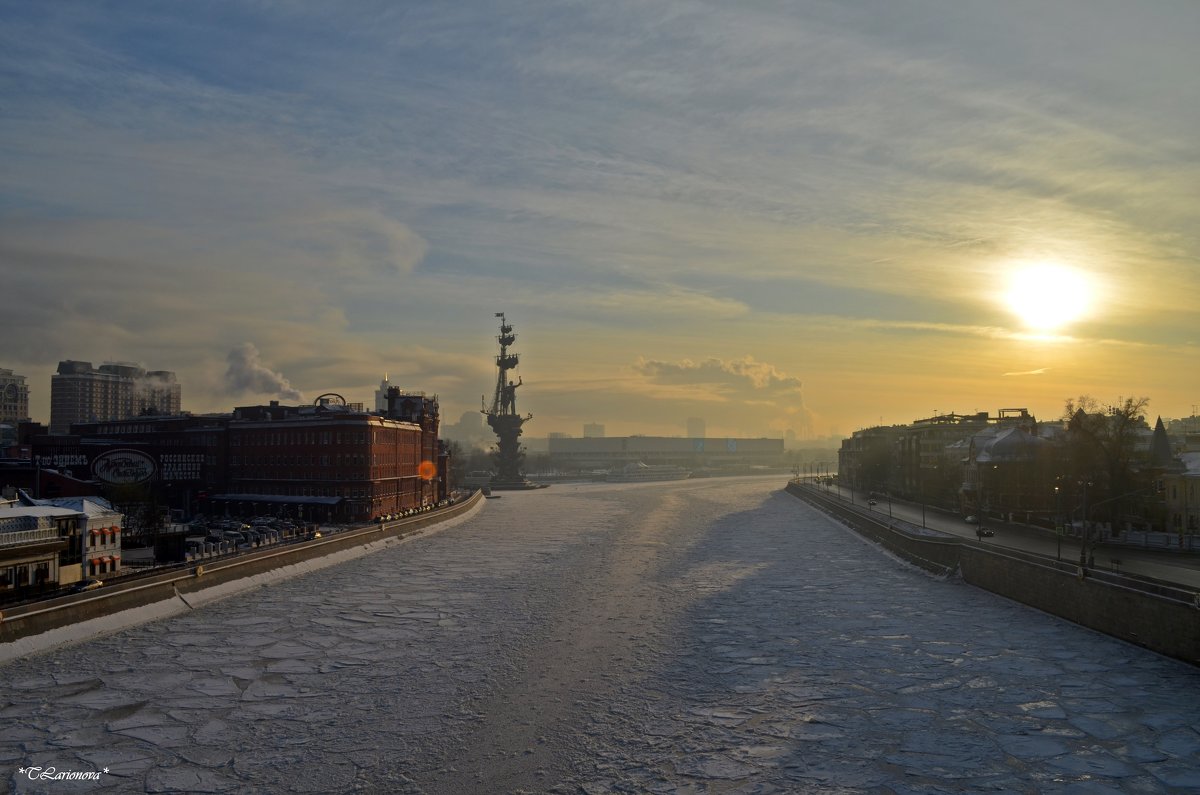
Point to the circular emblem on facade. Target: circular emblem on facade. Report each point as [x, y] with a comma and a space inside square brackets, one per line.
[123, 467]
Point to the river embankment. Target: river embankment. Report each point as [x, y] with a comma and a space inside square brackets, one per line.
[39, 626]
[1158, 615]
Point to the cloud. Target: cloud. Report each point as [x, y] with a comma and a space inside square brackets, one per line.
[1038, 371]
[760, 389]
[339, 187]
[349, 242]
[739, 375]
[247, 373]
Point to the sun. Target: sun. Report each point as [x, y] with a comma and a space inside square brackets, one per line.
[1047, 296]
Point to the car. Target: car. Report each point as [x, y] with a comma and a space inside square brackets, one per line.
[90, 584]
[972, 519]
[985, 532]
[872, 502]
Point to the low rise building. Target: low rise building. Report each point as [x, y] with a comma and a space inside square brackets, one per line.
[99, 526]
[614, 452]
[41, 549]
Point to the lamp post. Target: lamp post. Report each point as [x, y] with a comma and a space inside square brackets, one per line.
[1058, 528]
[1084, 537]
[921, 485]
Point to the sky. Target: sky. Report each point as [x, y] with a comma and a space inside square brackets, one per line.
[805, 216]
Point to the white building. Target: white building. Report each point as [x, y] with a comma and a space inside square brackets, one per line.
[100, 530]
[40, 549]
[14, 398]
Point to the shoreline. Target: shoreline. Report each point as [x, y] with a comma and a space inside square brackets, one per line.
[35, 628]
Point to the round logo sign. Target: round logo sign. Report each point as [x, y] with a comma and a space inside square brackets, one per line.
[123, 467]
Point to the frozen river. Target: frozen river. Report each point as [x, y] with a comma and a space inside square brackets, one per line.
[699, 636]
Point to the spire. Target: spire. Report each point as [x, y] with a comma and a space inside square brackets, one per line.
[1160, 446]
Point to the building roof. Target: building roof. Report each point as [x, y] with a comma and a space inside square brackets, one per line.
[89, 506]
[1010, 444]
[14, 510]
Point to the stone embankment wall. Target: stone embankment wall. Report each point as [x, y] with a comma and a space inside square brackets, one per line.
[35, 626]
[1157, 615]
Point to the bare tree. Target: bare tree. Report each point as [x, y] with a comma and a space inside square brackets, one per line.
[1100, 447]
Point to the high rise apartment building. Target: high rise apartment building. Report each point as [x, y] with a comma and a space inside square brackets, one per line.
[14, 398]
[112, 391]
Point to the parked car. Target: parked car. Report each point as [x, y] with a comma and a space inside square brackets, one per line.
[89, 584]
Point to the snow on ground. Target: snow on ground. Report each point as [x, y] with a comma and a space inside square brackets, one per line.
[696, 636]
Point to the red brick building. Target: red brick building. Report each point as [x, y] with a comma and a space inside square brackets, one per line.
[324, 462]
[338, 460]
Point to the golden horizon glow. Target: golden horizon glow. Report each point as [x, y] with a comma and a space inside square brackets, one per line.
[1047, 296]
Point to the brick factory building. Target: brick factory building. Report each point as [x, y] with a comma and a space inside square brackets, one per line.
[328, 462]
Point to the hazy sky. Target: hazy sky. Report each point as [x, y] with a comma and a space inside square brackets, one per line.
[765, 214]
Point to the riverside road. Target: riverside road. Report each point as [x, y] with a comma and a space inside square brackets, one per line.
[714, 636]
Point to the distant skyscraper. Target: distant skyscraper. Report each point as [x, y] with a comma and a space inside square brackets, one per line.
[593, 430]
[381, 395]
[113, 391]
[695, 428]
[14, 397]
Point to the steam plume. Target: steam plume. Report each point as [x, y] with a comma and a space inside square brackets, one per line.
[247, 373]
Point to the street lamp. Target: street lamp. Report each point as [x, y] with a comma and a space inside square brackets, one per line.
[1083, 541]
[921, 485]
[1058, 528]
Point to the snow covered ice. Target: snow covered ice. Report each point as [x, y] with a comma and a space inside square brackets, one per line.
[694, 636]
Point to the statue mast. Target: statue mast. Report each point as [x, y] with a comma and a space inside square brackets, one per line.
[503, 417]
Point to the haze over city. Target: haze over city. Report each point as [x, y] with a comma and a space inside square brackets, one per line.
[809, 217]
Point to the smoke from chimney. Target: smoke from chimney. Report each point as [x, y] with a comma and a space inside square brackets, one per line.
[247, 373]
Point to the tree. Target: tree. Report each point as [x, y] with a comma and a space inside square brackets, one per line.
[1100, 448]
[458, 463]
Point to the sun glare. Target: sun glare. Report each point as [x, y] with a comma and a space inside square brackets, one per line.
[1047, 296]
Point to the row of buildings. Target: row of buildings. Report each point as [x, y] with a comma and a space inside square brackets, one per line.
[120, 459]
[1011, 466]
[332, 461]
[80, 392]
[695, 453]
